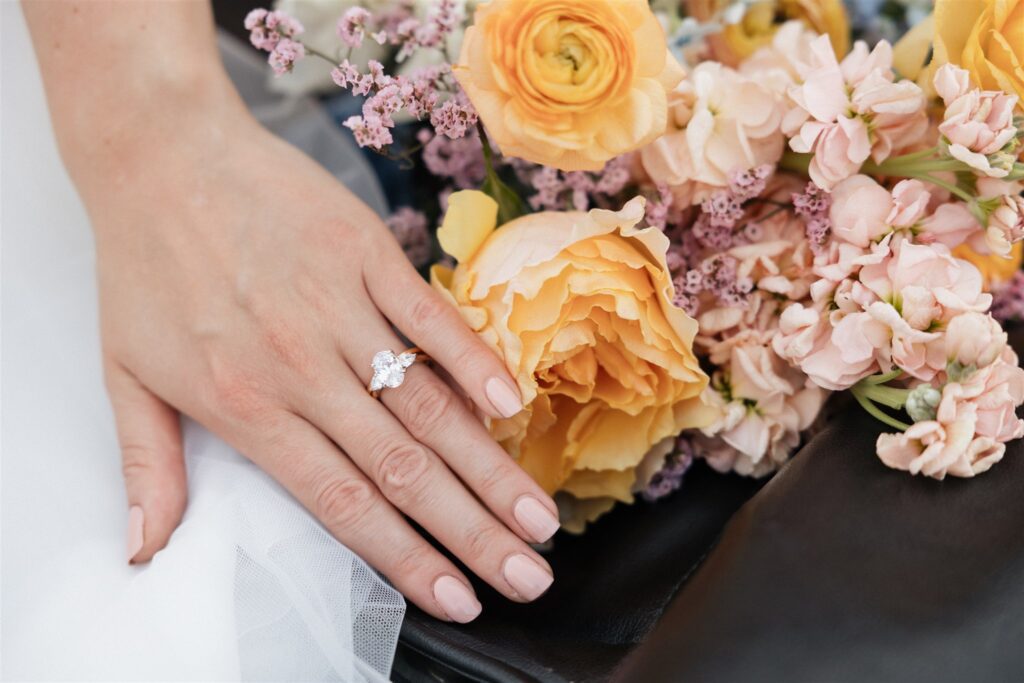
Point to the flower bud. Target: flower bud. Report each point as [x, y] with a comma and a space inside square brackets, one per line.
[923, 402]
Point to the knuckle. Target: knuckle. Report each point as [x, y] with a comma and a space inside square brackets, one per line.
[482, 540]
[135, 460]
[400, 471]
[427, 402]
[343, 502]
[425, 312]
[494, 480]
[412, 562]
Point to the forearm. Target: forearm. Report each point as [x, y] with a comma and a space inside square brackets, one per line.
[127, 79]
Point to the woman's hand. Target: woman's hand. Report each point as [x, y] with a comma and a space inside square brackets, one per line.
[241, 285]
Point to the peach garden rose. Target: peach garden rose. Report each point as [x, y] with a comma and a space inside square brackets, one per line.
[568, 84]
[580, 307]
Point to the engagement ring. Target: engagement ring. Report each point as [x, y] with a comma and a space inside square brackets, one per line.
[389, 369]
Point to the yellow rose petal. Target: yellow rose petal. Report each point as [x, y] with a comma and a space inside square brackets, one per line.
[470, 219]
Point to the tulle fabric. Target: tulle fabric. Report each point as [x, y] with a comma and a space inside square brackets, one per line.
[250, 587]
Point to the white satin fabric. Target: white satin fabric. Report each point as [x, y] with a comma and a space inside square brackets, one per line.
[250, 587]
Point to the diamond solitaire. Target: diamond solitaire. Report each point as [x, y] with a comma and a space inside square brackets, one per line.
[389, 369]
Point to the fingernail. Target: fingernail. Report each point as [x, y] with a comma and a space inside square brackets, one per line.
[136, 520]
[537, 520]
[527, 577]
[456, 599]
[504, 399]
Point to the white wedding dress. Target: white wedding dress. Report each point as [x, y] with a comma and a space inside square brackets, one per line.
[250, 587]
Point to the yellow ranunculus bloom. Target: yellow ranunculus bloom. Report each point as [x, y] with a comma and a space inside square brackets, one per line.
[579, 306]
[986, 37]
[755, 30]
[995, 269]
[568, 84]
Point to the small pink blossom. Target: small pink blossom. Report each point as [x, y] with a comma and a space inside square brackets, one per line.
[370, 131]
[454, 117]
[285, 54]
[267, 29]
[352, 27]
[345, 74]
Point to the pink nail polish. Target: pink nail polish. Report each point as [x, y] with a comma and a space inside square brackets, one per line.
[537, 520]
[456, 599]
[527, 577]
[136, 536]
[504, 399]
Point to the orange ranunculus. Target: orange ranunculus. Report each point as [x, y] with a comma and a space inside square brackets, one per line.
[579, 306]
[762, 19]
[568, 84]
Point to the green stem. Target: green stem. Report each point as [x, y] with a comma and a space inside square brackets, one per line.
[892, 397]
[875, 412]
[882, 379]
[953, 189]
[486, 143]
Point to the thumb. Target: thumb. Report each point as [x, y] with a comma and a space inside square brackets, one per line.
[152, 461]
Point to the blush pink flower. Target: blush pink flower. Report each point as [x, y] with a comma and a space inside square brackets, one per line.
[977, 123]
[973, 421]
[996, 391]
[1005, 224]
[936, 449]
[720, 122]
[974, 339]
[845, 113]
[863, 212]
[762, 405]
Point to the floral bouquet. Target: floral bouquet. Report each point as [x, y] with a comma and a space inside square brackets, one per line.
[687, 227]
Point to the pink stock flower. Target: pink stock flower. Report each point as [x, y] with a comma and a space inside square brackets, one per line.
[720, 122]
[975, 417]
[845, 113]
[936, 449]
[1005, 224]
[890, 314]
[977, 123]
[974, 339]
[863, 212]
[762, 406]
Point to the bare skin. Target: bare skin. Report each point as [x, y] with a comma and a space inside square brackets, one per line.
[242, 285]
